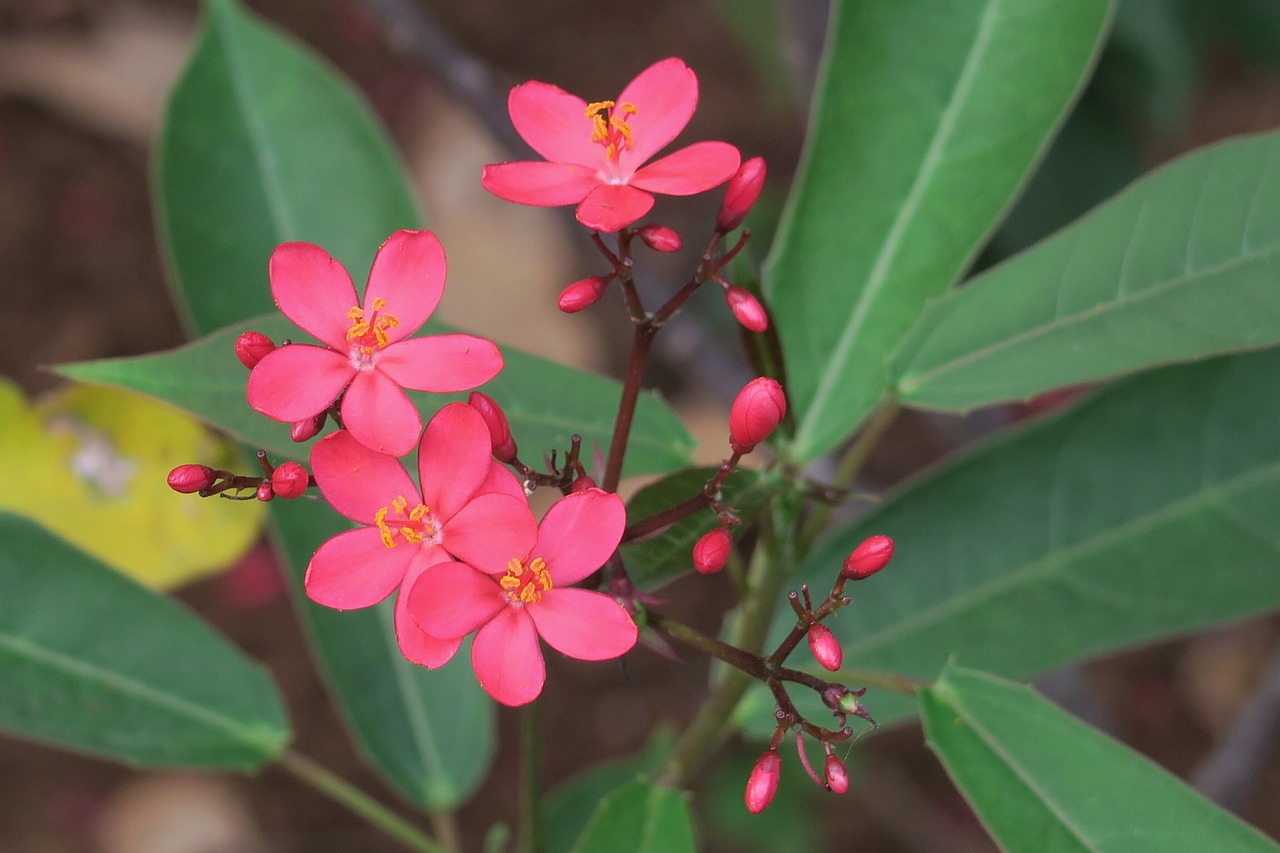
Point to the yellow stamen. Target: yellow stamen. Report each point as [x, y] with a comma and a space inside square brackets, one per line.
[609, 126]
[526, 583]
[370, 334]
[414, 526]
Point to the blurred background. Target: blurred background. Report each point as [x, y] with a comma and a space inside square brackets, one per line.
[82, 89]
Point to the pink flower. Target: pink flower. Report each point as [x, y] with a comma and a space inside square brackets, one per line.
[468, 507]
[367, 350]
[597, 151]
[514, 601]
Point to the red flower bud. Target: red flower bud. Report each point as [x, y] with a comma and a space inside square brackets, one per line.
[307, 427]
[660, 238]
[744, 188]
[868, 558]
[582, 294]
[251, 347]
[582, 484]
[756, 412]
[189, 479]
[504, 449]
[837, 775]
[265, 492]
[711, 552]
[825, 647]
[763, 782]
[290, 480]
[746, 309]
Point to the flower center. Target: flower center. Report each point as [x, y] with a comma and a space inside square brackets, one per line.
[609, 126]
[416, 526]
[369, 334]
[526, 580]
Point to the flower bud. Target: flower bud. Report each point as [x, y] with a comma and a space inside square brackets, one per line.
[307, 427]
[837, 775]
[746, 309]
[265, 492]
[660, 238]
[582, 294]
[757, 411]
[290, 480]
[582, 484]
[189, 479]
[868, 558]
[251, 347]
[825, 647]
[504, 449]
[763, 782]
[742, 192]
[711, 552]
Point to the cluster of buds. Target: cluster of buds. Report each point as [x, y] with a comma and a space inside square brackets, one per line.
[739, 197]
[287, 480]
[869, 557]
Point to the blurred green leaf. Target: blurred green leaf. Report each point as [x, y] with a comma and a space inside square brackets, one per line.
[206, 379]
[1147, 510]
[1179, 267]
[928, 118]
[639, 817]
[92, 661]
[652, 562]
[1041, 780]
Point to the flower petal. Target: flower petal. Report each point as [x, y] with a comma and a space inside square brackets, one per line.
[665, 95]
[612, 207]
[490, 531]
[450, 600]
[313, 290]
[540, 184]
[554, 123]
[297, 381]
[379, 415]
[579, 532]
[507, 660]
[416, 644]
[453, 458]
[354, 569]
[358, 481]
[442, 364]
[408, 272]
[695, 169]
[501, 481]
[583, 624]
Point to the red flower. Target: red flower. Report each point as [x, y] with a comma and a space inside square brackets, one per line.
[465, 509]
[513, 602]
[367, 350]
[596, 152]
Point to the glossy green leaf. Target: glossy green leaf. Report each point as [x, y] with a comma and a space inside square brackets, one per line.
[429, 732]
[1180, 266]
[206, 379]
[928, 117]
[1041, 781]
[1146, 511]
[92, 661]
[654, 561]
[639, 817]
[264, 143]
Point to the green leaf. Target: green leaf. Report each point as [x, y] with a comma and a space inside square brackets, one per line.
[652, 562]
[429, 732]
[92, 661]
[264, 143]
[567, 809]
[546, 403]
[1179, 267]
[1042, 781]
[928, 117]
[639, 817]
[1146, 511]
